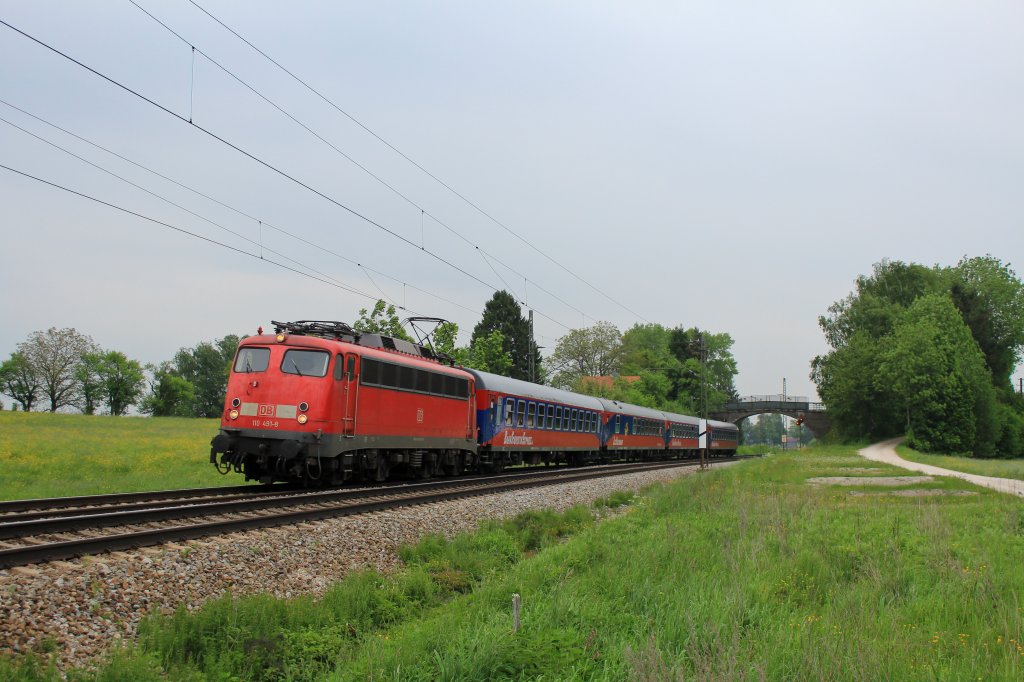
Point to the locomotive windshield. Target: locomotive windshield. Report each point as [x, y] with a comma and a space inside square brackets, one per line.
[252, 360]
[306, 363]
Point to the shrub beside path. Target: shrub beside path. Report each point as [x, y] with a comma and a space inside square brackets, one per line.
[886, 452]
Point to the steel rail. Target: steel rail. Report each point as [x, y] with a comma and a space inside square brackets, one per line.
[75, 519]
[37, 553]
[51, 503]
[59, 507]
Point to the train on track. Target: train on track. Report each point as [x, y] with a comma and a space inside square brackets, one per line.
[321, 403]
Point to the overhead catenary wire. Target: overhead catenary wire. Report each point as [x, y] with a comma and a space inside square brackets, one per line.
[262, 223]
[189, 233]
[357, 164]
[266, 164]
[322, 276]
[441, 182]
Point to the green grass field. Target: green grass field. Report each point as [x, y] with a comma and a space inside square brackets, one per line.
[54, 455]
[1002, 468]
[743, 573]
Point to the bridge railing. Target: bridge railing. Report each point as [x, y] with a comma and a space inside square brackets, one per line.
[777, 398]
[770, 403]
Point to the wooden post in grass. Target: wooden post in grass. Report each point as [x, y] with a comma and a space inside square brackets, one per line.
[516, 602]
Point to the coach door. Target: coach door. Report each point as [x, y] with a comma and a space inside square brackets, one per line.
[349, 364]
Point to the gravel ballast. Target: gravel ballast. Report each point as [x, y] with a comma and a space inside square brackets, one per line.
[79, 607]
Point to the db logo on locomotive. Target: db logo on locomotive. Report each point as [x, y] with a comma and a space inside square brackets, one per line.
[267, 410]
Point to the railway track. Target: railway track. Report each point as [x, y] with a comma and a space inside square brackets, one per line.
[35, 531]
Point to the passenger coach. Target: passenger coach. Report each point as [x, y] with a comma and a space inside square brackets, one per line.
[521, 422]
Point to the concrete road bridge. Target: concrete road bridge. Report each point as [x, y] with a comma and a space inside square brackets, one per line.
[813, 414]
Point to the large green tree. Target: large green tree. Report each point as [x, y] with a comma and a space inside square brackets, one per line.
[206, 368]
[121, 381]
[502, 313]
[591, 351]
[383, 319]
[90, 382]
[54, 355]
[485, 353]
[19, 380]
[936, 375]
[990, 297]
[170, 395]
[905, 348]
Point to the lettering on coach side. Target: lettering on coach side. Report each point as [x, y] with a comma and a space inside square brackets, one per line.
[512, 439]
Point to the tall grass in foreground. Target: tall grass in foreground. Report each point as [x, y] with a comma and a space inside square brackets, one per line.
[742, 573]
[55, 455]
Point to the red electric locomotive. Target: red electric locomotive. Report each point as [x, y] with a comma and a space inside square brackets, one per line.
[322, 402]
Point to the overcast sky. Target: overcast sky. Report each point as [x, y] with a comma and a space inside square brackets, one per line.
[733, 166]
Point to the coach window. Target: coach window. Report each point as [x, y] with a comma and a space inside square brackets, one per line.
[618, 424]
[510, 412]
[521, 413]
[558, 418]
[252, 360]
[494, 413]
[531, 416]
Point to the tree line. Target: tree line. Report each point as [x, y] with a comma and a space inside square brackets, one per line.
[63, 369]
[928, 352]
[680, 369]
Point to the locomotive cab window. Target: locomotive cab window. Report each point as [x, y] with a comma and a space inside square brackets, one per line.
[306, 363]
[252, 360]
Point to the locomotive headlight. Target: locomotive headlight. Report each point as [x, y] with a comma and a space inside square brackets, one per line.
[280, 338]
[233, 414]
[236, 402]
[303, 419]
[303, 407]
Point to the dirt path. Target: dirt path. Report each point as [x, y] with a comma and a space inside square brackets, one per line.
[886, 452]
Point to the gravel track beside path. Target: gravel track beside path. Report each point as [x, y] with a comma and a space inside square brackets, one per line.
[84, 605]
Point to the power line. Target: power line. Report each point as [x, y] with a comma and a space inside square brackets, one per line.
[238, 211]
[182, 230]
[414, 163]
[357, 164]
[264, 163]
